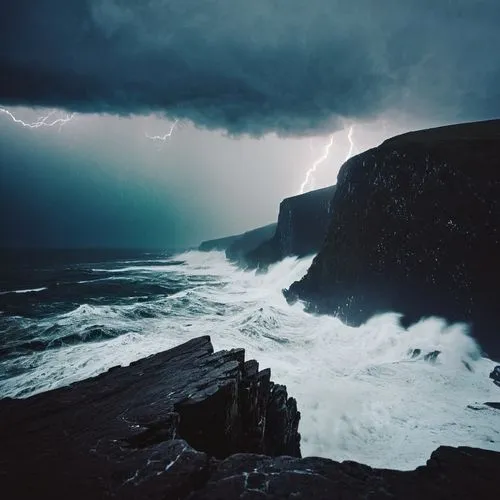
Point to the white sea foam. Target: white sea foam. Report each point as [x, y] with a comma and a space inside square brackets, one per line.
[27, 290]
[148, 268]
[363, 395]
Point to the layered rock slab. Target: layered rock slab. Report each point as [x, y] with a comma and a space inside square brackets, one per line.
[148, 430]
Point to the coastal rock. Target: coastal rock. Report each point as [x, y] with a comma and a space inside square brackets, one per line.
[248, 241]
[415, 228]
[219, 244]
[283, 417]
[494, 405]
[432, 356]
[238, 245]
[451, 473]
[189, 423]
[146, 430]
[495, 375]
[302, 224]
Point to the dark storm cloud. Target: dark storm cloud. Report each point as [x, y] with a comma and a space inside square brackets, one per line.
[290, 66]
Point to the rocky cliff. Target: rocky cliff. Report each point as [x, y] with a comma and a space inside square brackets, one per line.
[237, 246]
[301, 229]
[219, 244]
[189, 423]
[248, 241]
[415, 228]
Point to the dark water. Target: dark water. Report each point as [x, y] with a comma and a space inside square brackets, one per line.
[37, 285]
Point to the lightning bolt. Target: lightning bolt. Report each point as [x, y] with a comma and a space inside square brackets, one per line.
[316, 164]
[164, 138]
[351, 143]
[42, 121]
[324, 157]
[46, 121]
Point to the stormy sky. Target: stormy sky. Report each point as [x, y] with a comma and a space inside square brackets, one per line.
[257, 87]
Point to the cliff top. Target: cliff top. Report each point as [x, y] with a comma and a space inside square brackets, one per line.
[483, 130]
[310, 194]
[226, 241]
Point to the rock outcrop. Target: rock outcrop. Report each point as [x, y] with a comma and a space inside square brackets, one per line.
[189, 423]
[149, 430]
[302, 224]
[415, 228]
[495, 375]
[248, 241]
[238, 245]
[219, 244]
[450, 474]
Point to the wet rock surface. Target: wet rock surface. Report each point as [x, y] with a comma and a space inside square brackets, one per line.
[495, 375]
[189, 423]
[156, 422]
[415, 229]
[451, 473]
[493, 404]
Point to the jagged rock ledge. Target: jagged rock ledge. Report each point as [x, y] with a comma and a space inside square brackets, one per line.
[174, 426]
[125, 433]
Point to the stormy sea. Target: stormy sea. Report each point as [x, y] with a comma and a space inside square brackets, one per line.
[378, 394]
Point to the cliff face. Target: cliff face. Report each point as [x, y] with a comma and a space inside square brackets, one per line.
[415, 228]
[219, 244]
[240, 244]
[301, 229]
[248, 241]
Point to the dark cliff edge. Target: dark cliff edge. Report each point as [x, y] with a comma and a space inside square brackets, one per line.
[219, 244]
[238, 245]
[189, 423]
[248, 241]
[415, 228]
[300, 231]
[302, 224]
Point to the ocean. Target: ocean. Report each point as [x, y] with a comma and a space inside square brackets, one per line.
[368, 394]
